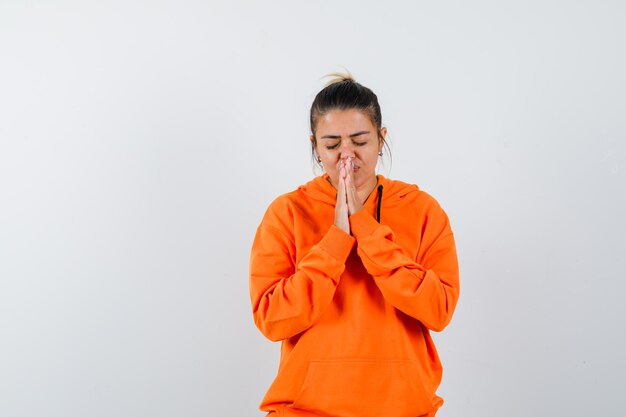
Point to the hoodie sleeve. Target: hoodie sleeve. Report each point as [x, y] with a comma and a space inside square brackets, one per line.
[287, 298]
[426, 288]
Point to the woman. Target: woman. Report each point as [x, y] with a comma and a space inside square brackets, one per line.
[350, 272]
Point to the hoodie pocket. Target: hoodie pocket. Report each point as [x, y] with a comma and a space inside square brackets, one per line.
[364, 388]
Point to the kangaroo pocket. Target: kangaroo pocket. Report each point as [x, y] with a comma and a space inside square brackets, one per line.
[364, 388]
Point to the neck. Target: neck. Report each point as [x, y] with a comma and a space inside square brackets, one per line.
[366, 188]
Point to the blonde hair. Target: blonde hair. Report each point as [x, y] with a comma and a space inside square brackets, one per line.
[337, 77]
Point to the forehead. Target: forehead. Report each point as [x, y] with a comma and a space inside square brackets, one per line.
[344, 122]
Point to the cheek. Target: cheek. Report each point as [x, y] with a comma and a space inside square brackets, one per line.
[329, 159]
[368, 157]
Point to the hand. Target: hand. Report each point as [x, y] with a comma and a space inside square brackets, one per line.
[341, 208]
[354, 201]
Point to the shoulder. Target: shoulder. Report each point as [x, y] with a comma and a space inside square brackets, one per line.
[418, 208]
[407, 204]
[409, 195]
[282, 212]
[317, 192]
[280, 206]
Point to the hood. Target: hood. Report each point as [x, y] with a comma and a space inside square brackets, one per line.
[320, 189]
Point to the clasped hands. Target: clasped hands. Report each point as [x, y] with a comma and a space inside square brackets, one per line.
[348, 201]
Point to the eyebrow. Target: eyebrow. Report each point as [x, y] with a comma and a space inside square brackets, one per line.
[352, 135]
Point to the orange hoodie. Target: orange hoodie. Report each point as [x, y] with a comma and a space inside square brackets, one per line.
[354, 312]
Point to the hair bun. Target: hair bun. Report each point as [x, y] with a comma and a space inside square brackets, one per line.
[338, 77]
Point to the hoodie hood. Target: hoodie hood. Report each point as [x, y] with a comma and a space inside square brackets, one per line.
[320, 189]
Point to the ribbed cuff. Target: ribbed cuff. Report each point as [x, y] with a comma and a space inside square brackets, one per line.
[362, 224]
[337, 243]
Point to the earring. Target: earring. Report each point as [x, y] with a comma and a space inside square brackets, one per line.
[319, 160]
[380, 153]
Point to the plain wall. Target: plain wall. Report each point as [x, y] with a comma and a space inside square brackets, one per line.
[141, 142]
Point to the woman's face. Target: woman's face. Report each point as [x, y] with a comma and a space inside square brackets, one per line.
[348, 133]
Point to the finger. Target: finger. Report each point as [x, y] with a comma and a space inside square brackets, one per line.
[341, 186]
[349, 187]
[346, 178]
[340, 168]
[354, 201]
[341, 208]
[348, 168]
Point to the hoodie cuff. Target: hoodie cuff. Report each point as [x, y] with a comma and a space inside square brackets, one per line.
[362, 224]
[337, 243]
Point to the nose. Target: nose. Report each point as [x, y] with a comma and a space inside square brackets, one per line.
[346, 150]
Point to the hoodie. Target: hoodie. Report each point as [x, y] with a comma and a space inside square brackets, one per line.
[353, 311]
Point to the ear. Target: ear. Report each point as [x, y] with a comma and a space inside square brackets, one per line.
[316, 154]
[381, 138]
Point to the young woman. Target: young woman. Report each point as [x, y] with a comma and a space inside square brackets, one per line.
[350, 272]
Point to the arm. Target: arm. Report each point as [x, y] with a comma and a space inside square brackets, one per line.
[427, 291]
[286, 298]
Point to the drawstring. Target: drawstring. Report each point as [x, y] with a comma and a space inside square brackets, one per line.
[380, 200]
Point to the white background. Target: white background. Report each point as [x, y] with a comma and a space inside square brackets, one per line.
[141, 142]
